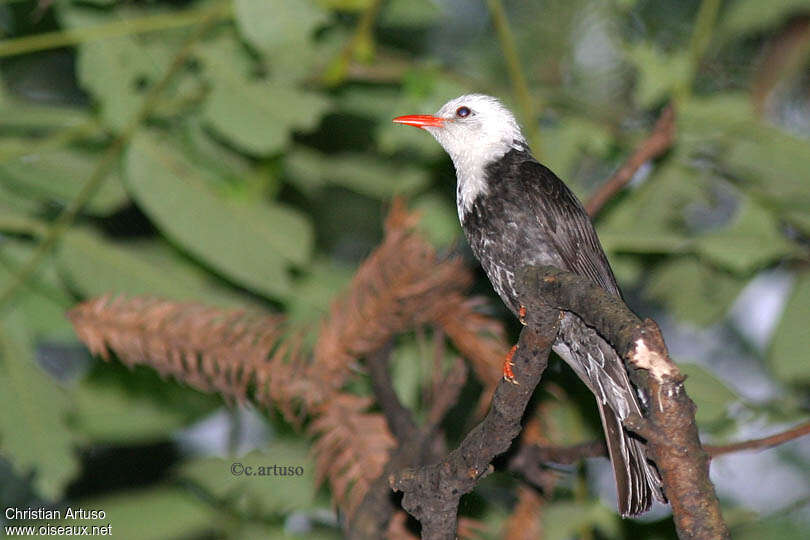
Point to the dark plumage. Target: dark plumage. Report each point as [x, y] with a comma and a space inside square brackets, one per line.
[516, 212]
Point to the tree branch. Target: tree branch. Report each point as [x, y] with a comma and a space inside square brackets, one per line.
[670, 428]
[760, 444]
[658, 142]
[432, 493]
[399, 418]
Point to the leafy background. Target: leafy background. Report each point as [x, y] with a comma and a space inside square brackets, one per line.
[241, 153]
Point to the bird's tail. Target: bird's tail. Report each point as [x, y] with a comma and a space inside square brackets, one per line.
[632, 471]
[601, 369]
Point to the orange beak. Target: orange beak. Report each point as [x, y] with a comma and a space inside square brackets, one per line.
[420, 120]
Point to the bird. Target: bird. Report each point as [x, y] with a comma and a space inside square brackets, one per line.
[516, 212]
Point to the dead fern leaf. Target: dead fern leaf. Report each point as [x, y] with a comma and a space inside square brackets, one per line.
[402, 285]
[352, 447]
[211, 349]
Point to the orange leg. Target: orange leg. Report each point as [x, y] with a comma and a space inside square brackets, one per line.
[508, 374]
[522, 315]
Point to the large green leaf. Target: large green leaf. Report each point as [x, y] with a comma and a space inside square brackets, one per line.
[255, 115]
[33, 433]
[152, 514]
[361, 173]
[96, 266]
[260, 116]
[692, 290]
[747, 16]
[253, 484]
[115, 71]
[43, 300]
[109, 413]
[659, 73]
[710, 394]
[273, 27]
[790, 349]
[562, 520]
[60, 174]
[751, 241]
[314, 292]
[250, 243]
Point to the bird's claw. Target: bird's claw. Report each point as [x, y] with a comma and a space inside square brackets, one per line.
[522, 315]
[508, 374]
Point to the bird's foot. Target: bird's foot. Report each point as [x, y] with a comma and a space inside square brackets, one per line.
[508, 374]
[522, 315]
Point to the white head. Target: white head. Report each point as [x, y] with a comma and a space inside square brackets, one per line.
[474, 130]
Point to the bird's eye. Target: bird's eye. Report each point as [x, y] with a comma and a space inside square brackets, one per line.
[463, 112]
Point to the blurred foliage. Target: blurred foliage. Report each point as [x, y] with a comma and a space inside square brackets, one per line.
[259, 172]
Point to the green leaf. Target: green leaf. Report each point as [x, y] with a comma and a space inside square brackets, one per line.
[563, 520]
[256, 115]
[406, 372]
[258, 488]
[115, 71]
[438, 219]
[410, 13]
[60, 174]
[567, 141]
[251, 244]
[43, 300]
[748, 16]
[107, 413]
[659, 73]
[260, 116]
[33, 433]
[750, 242]
[711, 395]
[313, 294]
[96, 266]
[693, 291]
[776, 526]
[790, 349]
[361, 173]
[152, 514]
[275, 26]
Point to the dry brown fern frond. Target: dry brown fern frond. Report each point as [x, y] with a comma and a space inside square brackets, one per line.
[479, 338]
[402, 284]
[212, 349]
[524, 523]
[352, 447]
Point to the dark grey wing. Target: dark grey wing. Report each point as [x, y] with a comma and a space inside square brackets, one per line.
[569, 229]
[567, 224]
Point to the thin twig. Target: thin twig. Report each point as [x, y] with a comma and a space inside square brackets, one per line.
[399, 418]
[336, 71]
[760, 444]
[107, 162]
[658, 142]
[136, 25]
[699, 42]
[519, 84]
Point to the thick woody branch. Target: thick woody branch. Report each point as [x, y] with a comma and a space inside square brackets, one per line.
[432, 493]
[669, 427]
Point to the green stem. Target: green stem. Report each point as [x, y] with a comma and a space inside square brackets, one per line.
[519, 84]
[699, 42]
[108, 161]
[361, 41]
[56, 140]
[137, 25]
